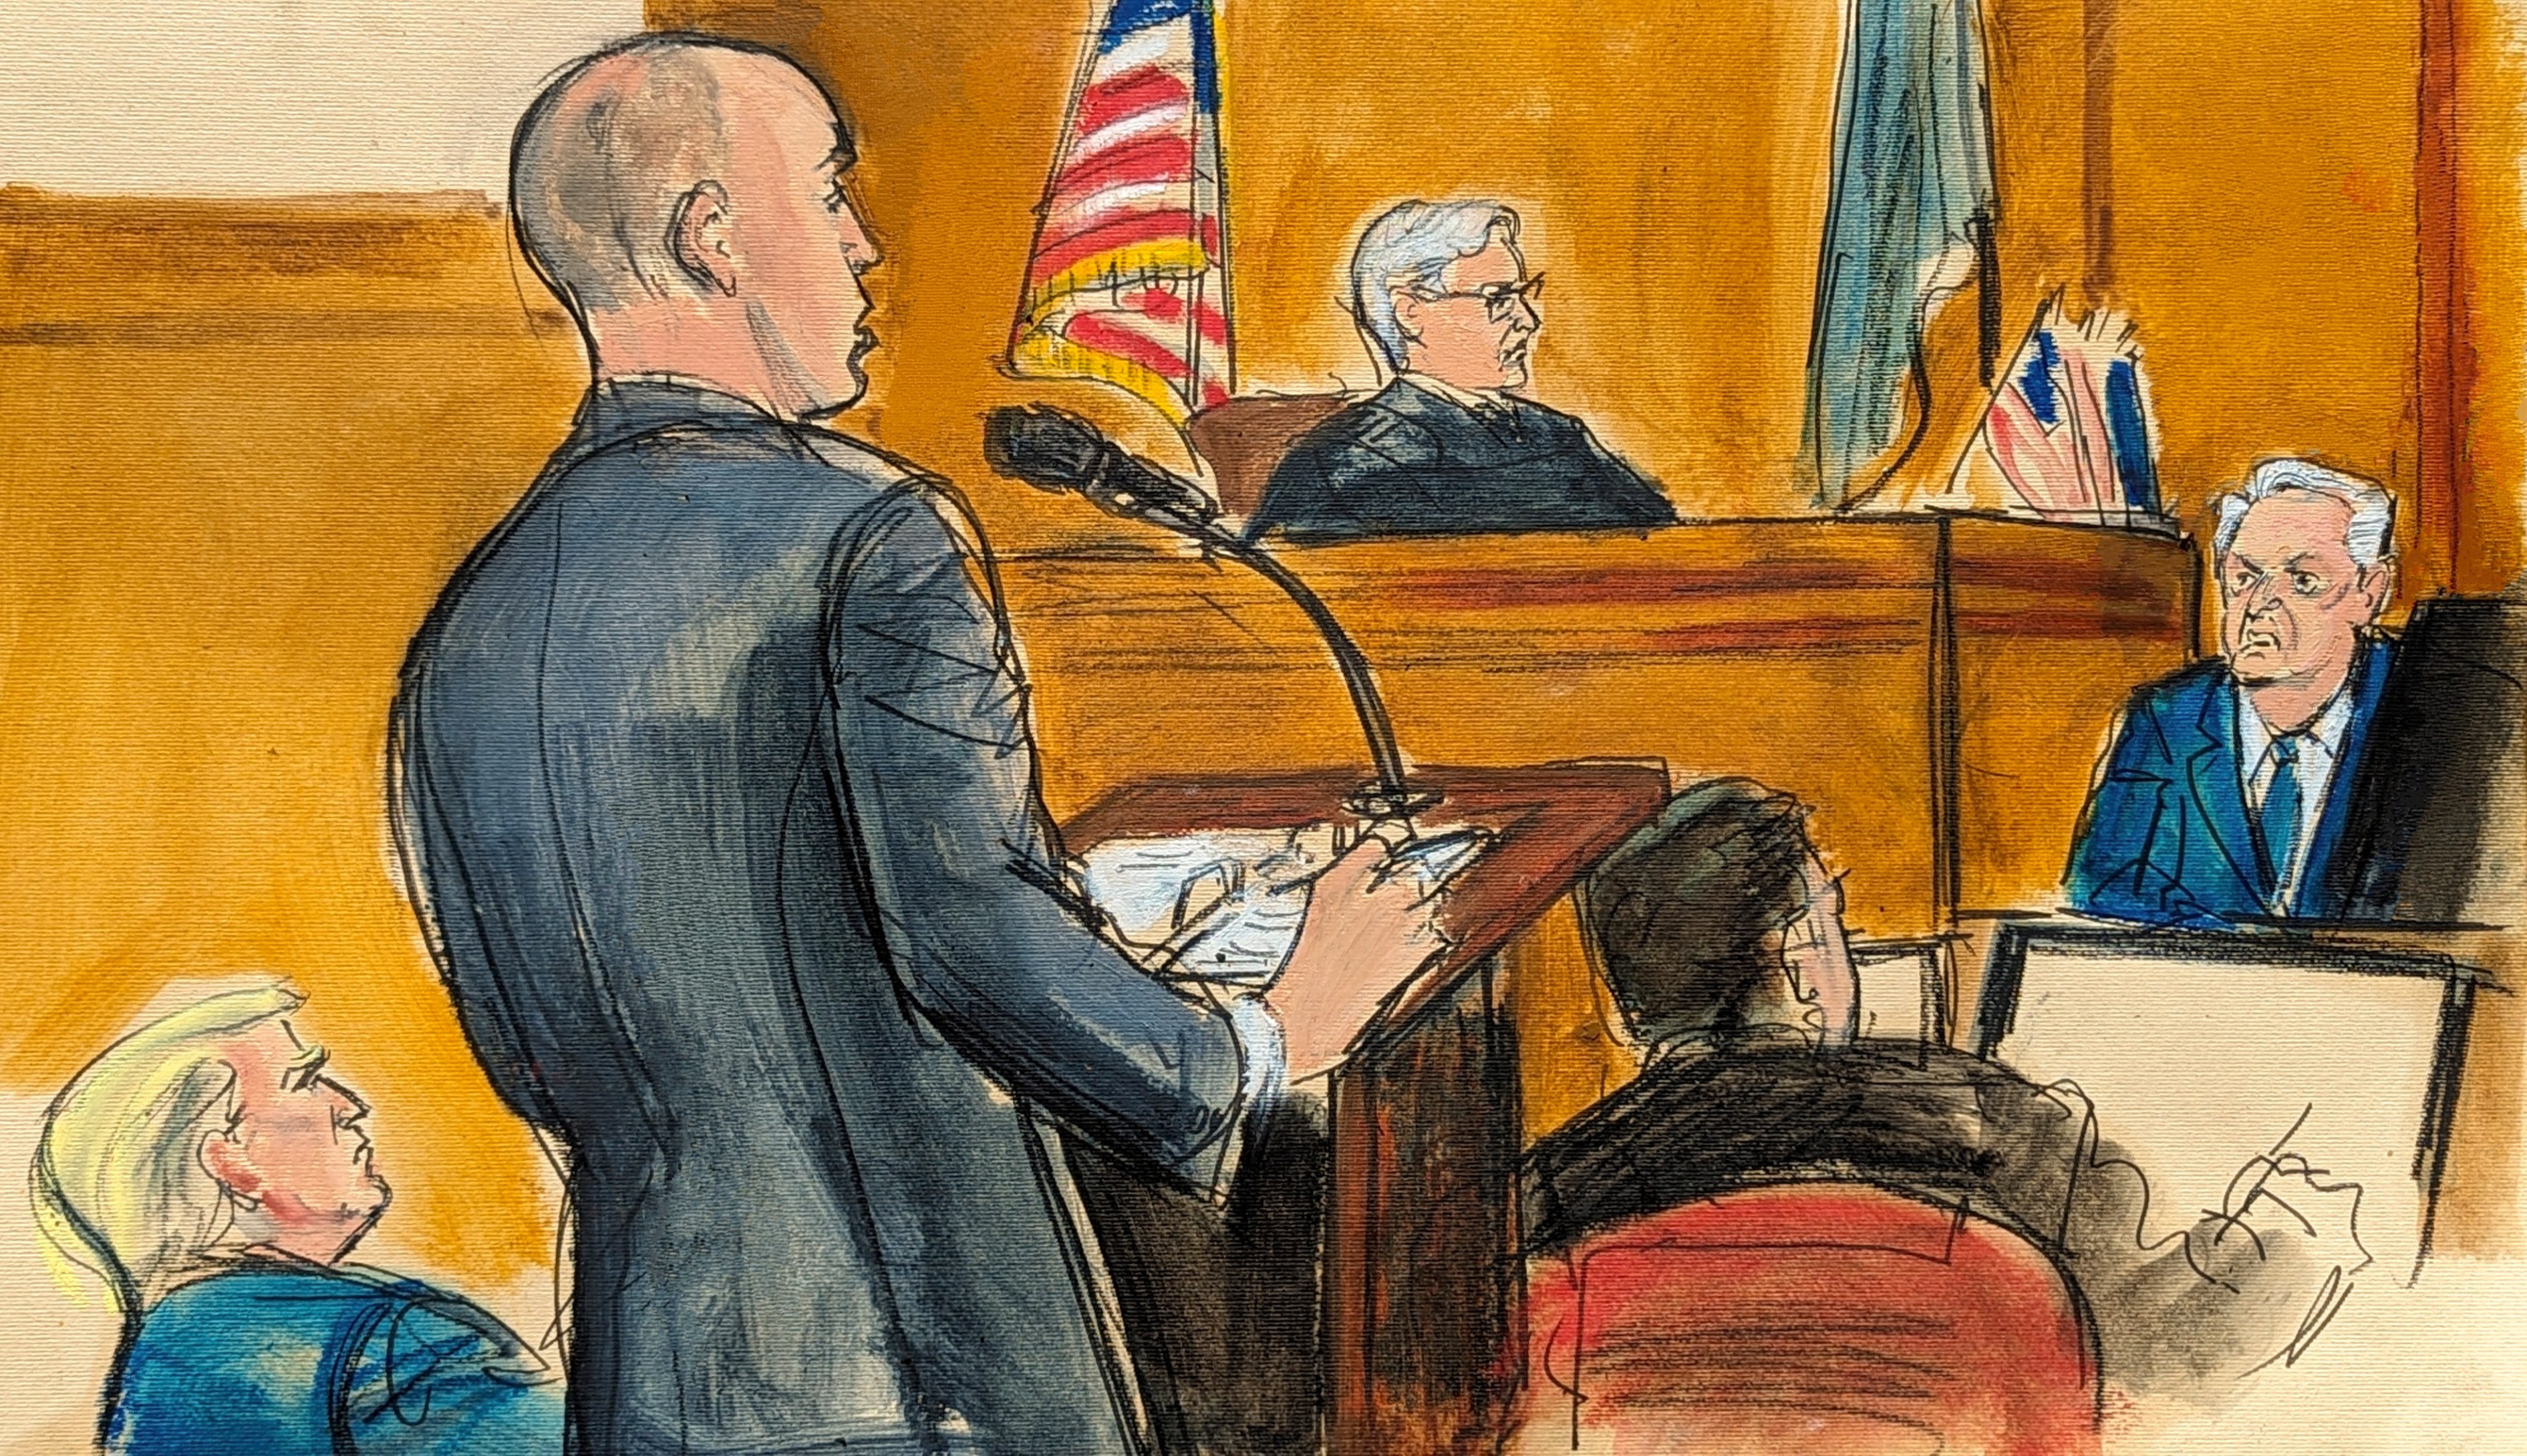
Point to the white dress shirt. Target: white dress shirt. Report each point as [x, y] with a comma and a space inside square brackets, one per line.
[2319, 746]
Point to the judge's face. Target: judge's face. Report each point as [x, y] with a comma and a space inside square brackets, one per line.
[1477, 328]
[2293, 600]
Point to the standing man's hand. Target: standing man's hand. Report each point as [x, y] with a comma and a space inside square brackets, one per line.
[1371, 927]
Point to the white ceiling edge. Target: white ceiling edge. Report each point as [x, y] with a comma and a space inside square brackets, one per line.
[279, 97]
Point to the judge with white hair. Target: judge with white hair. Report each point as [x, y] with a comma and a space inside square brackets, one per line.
[2227, 791]
[1452, 446]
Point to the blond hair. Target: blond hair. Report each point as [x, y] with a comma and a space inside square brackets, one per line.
[118, 1183]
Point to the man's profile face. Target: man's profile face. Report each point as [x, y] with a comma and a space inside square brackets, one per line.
[1476, 330]
[801, 242]
[297, 1146]
[1816, 952]
[2293, 600]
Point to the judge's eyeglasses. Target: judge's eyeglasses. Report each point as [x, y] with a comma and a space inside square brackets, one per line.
[1499, 299]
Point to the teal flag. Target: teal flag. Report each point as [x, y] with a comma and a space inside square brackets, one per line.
[1910, 220]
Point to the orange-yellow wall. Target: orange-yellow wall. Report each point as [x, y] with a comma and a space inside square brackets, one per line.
[1671, 162]
[2239, 180]
[2264, 233]
[2487, 218]
[247, 443]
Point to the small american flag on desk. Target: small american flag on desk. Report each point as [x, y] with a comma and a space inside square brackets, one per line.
[1128, 279]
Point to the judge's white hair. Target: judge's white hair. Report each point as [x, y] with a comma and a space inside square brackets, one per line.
[2370, 534]
[1408, 246]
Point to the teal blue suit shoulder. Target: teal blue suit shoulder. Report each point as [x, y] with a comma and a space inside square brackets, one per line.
[297, 1360]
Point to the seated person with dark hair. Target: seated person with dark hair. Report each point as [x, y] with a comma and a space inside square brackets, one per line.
[1721, 928]
[1721, 939]
[1721, 936]
[1447, 449]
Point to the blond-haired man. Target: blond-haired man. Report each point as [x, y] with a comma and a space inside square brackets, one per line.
[209, 1172]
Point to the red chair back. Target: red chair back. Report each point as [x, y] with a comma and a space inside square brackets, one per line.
[1825, 1318]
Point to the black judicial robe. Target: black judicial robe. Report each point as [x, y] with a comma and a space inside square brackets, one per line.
[1408, 461]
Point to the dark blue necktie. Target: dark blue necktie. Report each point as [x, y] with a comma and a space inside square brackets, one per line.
[2279, 818]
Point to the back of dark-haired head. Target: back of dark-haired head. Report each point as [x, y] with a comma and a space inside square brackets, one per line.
[1684, 911]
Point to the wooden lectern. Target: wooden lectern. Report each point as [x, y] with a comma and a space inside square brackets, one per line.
[1420, 1270]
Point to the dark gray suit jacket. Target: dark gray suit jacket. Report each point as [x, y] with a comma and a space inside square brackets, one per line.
[1407, 462]
[715, 770]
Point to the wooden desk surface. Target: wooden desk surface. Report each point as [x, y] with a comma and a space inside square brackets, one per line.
[1936, 689]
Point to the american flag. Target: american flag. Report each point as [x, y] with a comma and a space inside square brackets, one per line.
[2069, 425]
[1128, 279]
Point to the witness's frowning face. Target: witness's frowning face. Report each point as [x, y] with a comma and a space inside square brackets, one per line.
[2293, 600]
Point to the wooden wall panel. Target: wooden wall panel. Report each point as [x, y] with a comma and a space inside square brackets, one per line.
[1794, 652]
[2055, 626]
[246, 441]
[1799, 653]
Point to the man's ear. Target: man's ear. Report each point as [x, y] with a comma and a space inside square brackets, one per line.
[698, 239]
[1408, 314]
[229, 1167]
[2378, 586]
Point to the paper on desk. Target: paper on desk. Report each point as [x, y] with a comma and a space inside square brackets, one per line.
[1226, 905]
[1222, 903]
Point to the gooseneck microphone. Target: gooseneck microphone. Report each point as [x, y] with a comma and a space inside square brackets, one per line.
[1054, 450]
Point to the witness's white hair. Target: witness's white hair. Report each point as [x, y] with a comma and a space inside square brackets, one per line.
[1408, 246]
[118, 1183]
[2369, 535]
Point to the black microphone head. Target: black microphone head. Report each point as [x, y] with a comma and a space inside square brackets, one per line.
[1048, 448]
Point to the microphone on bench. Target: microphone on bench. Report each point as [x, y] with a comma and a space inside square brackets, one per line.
[1057, 451]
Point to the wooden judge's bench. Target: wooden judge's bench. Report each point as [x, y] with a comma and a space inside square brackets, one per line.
[1937, 688]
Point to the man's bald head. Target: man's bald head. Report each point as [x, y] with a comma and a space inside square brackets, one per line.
[609, 151]
[684, 195]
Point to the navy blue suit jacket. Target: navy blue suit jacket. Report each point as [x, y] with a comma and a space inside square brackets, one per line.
[1407, 462]
[2166, 838]
[715, 762]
